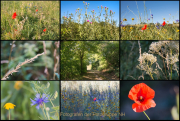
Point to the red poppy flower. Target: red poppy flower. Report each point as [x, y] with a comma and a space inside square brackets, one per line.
[44, 30]
[163, 23]
[14, 15]
[142, 96]
[94, 99]
[37, 10]
[144, 27]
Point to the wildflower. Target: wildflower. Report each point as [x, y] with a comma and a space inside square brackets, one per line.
[39, 100]
[36, 10]
[94, 99]
[132, 18]
[124, 19]
[151, 15]
[163, 23]
[169, 38]
[9, 106]
[91, 22]
[142, 96]
[18, 84]
[44, 30]
[105, 6]
[177, 20]
[148, 19]
[157, 27]
[144, 27]
[14, 15]
[131, 28]
[163, 18]
[87, 20]
[177, 30]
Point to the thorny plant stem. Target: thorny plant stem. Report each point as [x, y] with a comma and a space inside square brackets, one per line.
[146, 115]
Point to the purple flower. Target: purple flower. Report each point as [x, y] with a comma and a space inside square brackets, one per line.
[157, 27]
[105, 6]
[39, 100]
[177, 20]
[148, 19]
[91, 22]
[93, 9]
[151, 14]
[87, 20]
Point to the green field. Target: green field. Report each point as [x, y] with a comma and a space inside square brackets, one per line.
[32, 18]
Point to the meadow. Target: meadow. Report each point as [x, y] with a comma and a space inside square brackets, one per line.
[21, 94]
[152, 32]
[30, 20]
[146, 29]
[92, 27]
[90, 100]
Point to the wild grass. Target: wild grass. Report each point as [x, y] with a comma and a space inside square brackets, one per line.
[35, 20]
[78, 97]
[92, 28]
[152, 32]
[46, 65]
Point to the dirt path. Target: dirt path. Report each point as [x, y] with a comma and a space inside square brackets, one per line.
[98, 75]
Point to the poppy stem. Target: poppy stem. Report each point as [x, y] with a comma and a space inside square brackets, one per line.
[146, 115]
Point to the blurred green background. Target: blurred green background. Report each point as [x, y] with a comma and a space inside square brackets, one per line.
[165, 99]
[129, 54]
[23, 50]
[10, 93]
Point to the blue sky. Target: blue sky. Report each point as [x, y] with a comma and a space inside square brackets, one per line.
[71, 6]
[159, 9]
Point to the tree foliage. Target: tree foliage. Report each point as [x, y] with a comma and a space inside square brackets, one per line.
[77, 55]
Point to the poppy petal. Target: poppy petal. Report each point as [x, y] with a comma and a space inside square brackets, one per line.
[140, 108]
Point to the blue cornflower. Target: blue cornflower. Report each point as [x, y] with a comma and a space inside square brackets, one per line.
[39, 100]
[157, 27]
[177, 20]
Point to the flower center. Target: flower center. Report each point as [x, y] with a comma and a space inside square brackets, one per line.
[141, 98]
